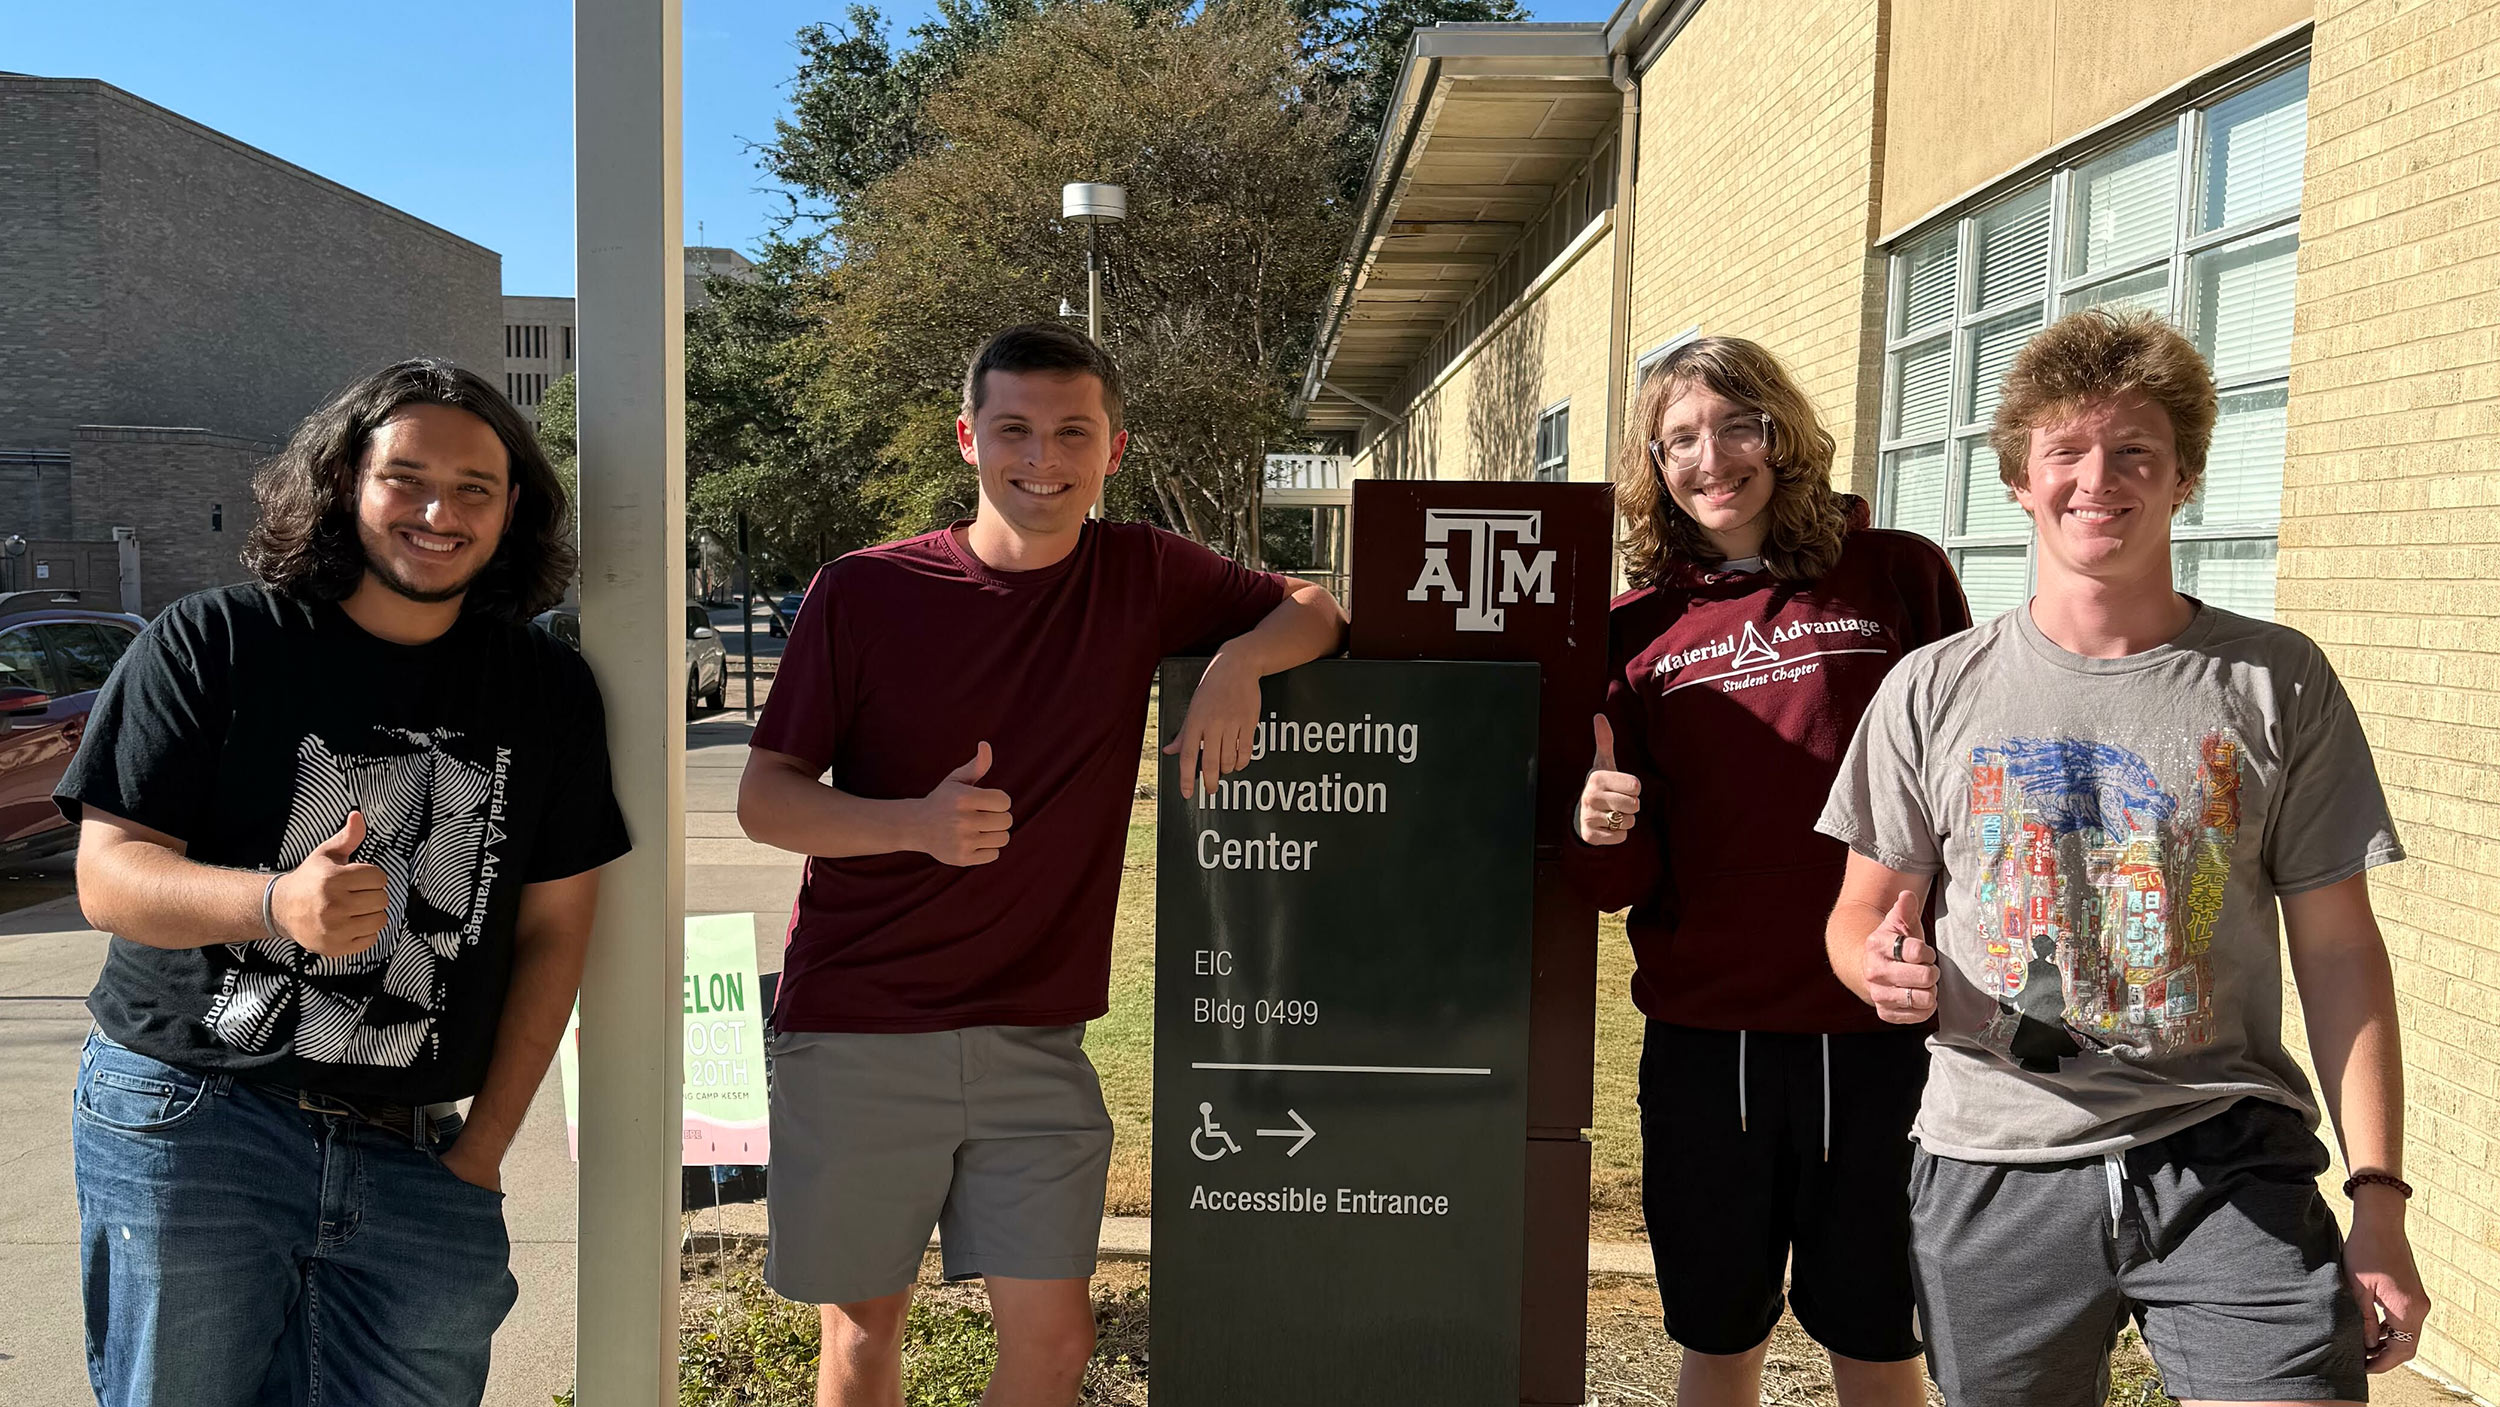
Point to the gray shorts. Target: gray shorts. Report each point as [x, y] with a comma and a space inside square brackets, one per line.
[2214, 1239]
[995, 1135]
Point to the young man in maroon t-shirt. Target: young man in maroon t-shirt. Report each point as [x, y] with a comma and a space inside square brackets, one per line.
[976, 695]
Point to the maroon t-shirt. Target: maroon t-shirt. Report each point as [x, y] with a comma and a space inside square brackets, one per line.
[903, 660]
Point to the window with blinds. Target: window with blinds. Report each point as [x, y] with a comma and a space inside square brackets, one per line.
[1553, 444]
[2196, 218]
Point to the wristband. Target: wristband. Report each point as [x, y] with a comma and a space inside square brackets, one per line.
[269, 913]
[2403, 1188]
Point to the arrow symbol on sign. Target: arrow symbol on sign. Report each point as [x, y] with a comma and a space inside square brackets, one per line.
[1301, 1133]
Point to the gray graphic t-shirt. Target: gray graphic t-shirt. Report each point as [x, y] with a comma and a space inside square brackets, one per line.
[2109, 837]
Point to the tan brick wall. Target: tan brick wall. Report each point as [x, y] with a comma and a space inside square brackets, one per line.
[1757, 185]
[2391, 560]
[1480, 423]
[1980, 87]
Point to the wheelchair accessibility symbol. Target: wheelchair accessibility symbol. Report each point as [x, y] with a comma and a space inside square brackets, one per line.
[1209, 1142]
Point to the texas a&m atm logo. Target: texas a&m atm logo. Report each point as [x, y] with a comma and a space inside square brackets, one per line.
[1481, 598]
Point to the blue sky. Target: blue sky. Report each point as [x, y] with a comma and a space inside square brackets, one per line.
[464, 119]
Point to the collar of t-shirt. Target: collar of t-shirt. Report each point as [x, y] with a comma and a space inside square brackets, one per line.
[960, 548]
[2200, 629]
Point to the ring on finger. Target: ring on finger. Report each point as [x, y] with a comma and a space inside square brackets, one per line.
[2399, 1336]
[1614, 820]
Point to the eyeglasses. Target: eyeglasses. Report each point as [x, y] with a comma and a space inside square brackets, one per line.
[1746, 435]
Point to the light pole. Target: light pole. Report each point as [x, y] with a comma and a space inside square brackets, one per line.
[1085, 203]
[1091, 205]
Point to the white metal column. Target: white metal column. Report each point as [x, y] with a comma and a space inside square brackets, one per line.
[631, 280]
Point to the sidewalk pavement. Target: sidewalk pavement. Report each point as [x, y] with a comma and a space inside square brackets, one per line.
[48, 962]
[1123, 1238]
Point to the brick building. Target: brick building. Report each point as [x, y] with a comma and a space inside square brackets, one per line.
[175, 301]
[1895, 195]
[538, 331]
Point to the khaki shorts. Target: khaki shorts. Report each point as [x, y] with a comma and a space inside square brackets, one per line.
[995, 1135]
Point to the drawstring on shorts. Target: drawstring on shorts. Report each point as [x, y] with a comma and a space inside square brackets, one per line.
[1740, 1082]
[1744, 1113]
[2114, 1164]
[1827, 1099]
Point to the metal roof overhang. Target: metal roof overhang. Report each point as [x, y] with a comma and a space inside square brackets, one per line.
[1489, 121]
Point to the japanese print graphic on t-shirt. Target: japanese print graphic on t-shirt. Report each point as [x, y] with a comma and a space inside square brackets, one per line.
[2097, 892]
[2111, 841]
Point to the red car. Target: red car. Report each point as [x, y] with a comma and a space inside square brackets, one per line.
[56, 649]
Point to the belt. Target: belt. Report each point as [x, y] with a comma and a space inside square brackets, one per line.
[414, 1122]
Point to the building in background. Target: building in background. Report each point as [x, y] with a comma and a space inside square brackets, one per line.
[1894, 195]
[537, 348]
[174, 302]
[538, 332]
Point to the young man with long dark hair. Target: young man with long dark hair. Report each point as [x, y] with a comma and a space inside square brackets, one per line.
[952, 740]
[1775, 1109]
[2109, 794]
[344, 824]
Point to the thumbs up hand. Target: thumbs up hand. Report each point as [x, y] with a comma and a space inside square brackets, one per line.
[963, 823]
[330, 904]
[1901, 966]
[1610, 801]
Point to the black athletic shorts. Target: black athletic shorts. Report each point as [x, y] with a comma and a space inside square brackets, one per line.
[1756, 1145]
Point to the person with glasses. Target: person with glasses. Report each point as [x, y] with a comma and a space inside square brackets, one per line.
[1775, 1108]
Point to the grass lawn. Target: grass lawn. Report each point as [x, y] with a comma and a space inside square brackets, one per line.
[1122, 1042]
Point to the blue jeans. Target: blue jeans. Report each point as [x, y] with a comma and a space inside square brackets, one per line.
[236, 1250]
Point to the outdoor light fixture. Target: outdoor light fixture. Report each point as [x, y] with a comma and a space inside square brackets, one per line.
[1092, 205]
[1085, 203]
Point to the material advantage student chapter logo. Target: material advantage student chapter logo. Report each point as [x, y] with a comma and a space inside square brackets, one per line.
[1482, 595]
[1749, 658]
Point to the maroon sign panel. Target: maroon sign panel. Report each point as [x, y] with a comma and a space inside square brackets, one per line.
[1457, 570]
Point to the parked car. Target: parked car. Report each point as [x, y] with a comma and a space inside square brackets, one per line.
[707, 664]
[786, 610]
[56, 649]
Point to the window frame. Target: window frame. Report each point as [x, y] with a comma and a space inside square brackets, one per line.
[2062, 282]
[1649, 360]
[1560, 465]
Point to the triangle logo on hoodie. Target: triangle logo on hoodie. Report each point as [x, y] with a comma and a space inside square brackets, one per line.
[1755, 652]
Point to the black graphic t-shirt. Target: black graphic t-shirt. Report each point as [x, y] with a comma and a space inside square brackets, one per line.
[248, 724]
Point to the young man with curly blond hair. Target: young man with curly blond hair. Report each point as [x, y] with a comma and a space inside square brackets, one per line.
[2112, 791]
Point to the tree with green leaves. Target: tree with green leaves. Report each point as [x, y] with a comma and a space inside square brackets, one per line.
[751, 445]
[559, 438]
[923, 182]
[856, 101]
[1215, 122]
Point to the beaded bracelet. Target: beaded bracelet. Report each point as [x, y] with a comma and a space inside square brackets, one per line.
[2403, 1188]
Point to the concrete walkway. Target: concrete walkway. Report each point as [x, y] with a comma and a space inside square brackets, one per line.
[1123, 1238]
[48, 962]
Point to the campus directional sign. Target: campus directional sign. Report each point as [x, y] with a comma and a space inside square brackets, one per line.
[1341, 1041]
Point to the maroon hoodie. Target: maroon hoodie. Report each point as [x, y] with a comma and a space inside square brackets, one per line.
[1732, 696]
